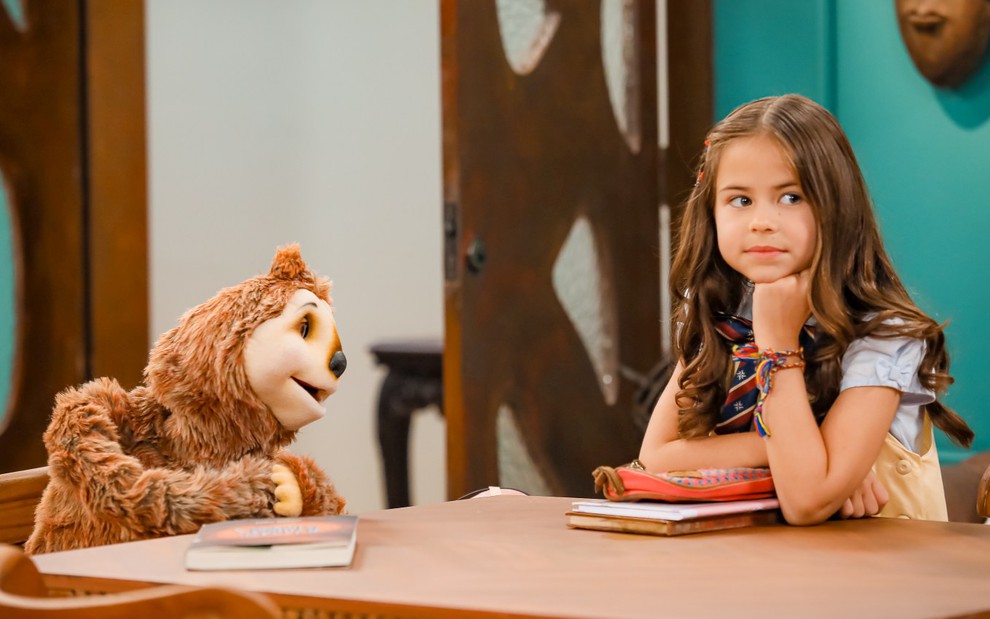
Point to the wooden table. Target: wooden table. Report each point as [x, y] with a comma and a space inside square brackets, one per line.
[514, 556]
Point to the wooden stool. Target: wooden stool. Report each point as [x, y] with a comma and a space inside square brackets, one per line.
[414, 381]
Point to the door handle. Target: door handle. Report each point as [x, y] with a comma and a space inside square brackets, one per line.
[476, 256]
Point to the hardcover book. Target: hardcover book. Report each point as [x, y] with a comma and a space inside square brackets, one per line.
[274, 543]
[671, 518]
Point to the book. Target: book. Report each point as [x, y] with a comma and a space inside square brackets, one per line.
[671, 518]
[653, 526]
[274, 543]
[671, 511]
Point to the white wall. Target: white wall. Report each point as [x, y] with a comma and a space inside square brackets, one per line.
[315, 121]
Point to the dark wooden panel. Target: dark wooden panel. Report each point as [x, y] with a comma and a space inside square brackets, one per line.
[117, 165]
[72, 146]
[692, 94]
[40, 153]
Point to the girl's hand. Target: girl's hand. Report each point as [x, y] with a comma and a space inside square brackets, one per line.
[780, 309]
[867, 500]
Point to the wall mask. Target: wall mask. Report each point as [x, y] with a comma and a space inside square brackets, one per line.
[946, 39]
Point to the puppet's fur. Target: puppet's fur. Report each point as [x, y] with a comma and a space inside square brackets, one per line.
[192, 445]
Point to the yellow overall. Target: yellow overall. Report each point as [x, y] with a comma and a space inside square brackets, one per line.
[913, 481]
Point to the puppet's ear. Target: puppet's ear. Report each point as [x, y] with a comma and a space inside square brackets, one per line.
[288, 263]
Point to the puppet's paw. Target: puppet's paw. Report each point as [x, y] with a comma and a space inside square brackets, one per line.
[320, 498]
[288, 497]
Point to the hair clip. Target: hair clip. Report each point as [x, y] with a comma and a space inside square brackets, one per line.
[701, 174]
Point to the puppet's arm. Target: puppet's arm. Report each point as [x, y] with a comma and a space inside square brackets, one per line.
[319, 497]
[85, 456]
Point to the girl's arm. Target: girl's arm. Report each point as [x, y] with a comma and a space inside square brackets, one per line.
[814, 469]
[804, 494]
[662, 450]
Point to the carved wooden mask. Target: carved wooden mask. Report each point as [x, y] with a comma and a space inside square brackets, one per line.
[946, 39]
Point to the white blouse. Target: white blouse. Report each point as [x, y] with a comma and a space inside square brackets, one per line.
[883, 362]
[894, 363]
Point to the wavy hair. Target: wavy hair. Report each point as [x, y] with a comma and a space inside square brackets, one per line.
[854, 289]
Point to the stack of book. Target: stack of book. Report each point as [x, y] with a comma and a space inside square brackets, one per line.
[653, 518]
[274, 543]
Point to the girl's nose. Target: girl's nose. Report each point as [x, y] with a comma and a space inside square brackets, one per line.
[764, 217]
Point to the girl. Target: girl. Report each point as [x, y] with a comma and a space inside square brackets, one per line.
[780, 269]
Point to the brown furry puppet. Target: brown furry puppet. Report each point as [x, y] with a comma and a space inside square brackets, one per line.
[202, 440]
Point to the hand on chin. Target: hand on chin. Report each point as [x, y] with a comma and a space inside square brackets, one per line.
[780, 309]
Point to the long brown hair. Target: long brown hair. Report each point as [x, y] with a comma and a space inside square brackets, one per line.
[854, 289]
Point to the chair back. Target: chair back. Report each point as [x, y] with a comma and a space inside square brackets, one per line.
[20, 493]
[23, 596]
[965, 491]
[983, 496]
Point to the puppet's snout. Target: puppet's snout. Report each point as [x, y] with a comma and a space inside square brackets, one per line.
[338, 363]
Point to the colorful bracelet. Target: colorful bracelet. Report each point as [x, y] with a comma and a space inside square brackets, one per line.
[768, 362]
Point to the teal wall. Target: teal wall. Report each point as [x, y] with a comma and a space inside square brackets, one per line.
[925, 152]
[7, 302]
[772, 47]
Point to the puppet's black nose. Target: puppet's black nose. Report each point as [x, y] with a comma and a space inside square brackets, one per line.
[338, 363]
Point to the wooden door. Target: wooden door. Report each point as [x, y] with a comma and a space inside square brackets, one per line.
[553, 182]
[541, 179]
[72, 161]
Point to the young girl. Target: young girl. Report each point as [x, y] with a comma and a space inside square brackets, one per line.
[780, 270]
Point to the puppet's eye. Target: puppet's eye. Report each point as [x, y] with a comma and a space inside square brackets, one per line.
[304, 327]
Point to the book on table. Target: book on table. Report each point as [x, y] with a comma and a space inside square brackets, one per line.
[655, 518]
[274, 543]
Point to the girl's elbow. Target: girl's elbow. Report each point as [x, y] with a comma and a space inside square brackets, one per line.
[804, 519]
[805, 513]
[654, 454]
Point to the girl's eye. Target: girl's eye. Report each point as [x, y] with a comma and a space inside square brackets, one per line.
[790, 198]
[304, 327]
[740, 201]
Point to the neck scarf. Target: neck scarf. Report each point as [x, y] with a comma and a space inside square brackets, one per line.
[736, 414]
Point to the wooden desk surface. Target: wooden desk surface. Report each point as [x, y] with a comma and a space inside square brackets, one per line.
[514, 556]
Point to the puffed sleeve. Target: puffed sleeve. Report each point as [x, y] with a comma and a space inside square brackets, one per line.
[887, 362]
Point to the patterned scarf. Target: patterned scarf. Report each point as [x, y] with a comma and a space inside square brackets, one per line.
[737, 412]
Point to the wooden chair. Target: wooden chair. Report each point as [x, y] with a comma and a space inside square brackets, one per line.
[983, 495]
[20, 492]
[965, 492]
[23, 595]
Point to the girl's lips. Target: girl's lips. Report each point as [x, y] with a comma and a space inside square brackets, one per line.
[764, 250]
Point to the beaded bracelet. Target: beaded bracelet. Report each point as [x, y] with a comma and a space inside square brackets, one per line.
[768, 362]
